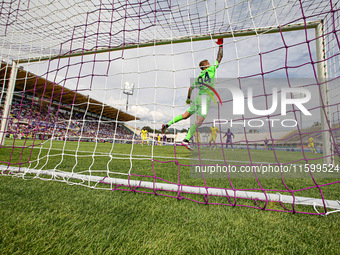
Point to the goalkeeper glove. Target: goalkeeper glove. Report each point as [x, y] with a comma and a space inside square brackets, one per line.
[220, 42]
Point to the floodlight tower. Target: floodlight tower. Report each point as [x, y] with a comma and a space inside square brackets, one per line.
[128, 90]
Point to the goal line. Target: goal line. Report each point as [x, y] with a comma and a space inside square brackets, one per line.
[157, 186]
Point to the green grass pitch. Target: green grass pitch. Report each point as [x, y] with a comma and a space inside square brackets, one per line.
[42, 217]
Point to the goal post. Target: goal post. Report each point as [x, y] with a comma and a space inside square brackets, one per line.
[325, 112]
[8, 101]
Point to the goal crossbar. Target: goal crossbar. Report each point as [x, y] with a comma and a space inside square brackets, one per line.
[231, 34]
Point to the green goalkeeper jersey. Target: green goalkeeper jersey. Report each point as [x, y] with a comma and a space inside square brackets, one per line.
[206, 76]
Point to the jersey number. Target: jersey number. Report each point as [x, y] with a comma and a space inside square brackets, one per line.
[206, 79]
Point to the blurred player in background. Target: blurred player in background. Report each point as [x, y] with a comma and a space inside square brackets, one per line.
[229, 134]
[213, 135]
[266, 147]
[144, 134]
[197, 136]
[159, 140]
[164, 139]
[311, 144]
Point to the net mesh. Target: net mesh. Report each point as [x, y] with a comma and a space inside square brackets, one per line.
[70, 120]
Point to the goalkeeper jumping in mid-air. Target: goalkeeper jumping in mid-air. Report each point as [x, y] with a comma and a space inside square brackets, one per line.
[205, 80]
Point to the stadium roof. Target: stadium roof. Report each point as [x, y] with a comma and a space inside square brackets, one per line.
[46, 90]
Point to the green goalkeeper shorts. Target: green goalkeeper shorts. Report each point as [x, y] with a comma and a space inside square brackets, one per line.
[200, 106]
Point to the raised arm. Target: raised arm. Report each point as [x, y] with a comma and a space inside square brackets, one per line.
[220, 50]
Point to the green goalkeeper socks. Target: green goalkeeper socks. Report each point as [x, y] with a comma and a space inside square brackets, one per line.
[191, 131]
[176, 119]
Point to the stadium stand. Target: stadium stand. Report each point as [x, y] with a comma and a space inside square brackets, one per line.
[34, 113]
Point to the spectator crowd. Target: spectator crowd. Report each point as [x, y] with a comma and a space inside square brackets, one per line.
[33, 121]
